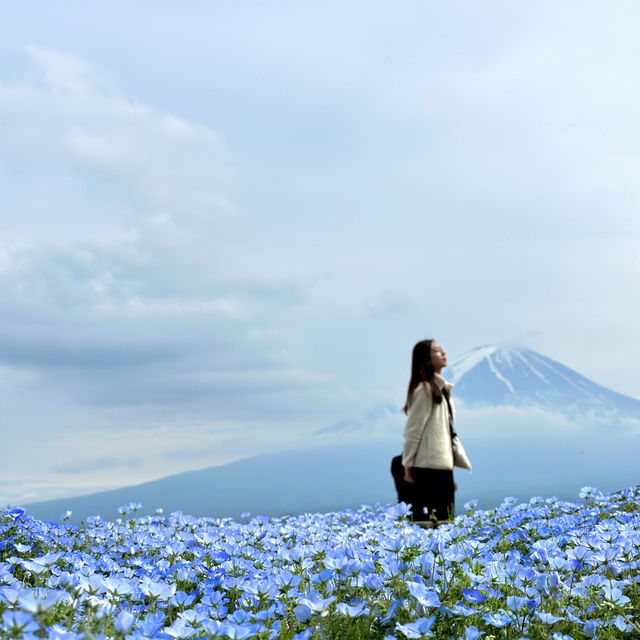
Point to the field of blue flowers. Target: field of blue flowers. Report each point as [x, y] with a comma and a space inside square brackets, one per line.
[546, 569]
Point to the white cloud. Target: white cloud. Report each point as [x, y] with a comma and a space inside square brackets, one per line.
[137, 318]
[122, 157]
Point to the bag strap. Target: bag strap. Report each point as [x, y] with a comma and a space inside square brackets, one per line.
[452, 433]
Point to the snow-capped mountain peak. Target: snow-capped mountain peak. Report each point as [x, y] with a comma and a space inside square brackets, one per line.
[498, 375]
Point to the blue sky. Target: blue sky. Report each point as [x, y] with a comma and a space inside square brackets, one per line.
[225, 225]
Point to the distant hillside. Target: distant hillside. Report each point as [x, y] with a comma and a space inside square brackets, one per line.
[332, 479]
[271, 484]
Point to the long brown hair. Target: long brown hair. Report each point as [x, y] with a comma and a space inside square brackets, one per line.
[422, 371]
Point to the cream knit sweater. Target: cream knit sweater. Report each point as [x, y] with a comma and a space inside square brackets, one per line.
[427, 440]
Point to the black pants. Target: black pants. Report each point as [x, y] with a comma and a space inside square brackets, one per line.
[432, 490]
[433, 494]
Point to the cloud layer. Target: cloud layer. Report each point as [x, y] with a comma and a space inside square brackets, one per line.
[226, 238]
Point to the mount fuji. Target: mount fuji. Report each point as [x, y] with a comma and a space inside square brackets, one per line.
[515, 376]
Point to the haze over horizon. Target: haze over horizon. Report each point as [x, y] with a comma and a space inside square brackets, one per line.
[227, 234]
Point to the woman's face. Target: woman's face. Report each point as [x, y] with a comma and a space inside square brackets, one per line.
[438, 357]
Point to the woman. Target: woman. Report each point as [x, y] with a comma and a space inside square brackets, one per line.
[430, 444]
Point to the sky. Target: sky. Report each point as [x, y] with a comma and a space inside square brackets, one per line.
[223, 226]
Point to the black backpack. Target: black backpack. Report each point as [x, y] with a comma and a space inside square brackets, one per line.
[404, 488]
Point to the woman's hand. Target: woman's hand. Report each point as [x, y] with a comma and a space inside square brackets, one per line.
[408, 477]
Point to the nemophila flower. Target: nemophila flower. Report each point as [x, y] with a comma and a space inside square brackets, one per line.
[473, 596]
[174, 550]
[92, 584]
[554, 582]
[391, 610]
[594, 580]
[303, 635]
[336, 563]
[373, 581]
[621, 624]
[352, 611]
[37, 603]
[303, 612]
[615, 568]
[471, 505]
[525, 574]
[15, 623]
[285, 579]
[399, 510]
[48, 559]
[418, 628]
[124, 621]
[118, 586]
[497, 619]
[239, 616]
[316, 602]
[10, 595]
[101, 608]
[241, 631]
[180, 629]
[182, 599]
[151, 624]
[460, 610]
[6, 573]
[426, 597]
[58, 632]
[590, 628]
[587, 492]
[614, 595]
[16, 514]
[264, 614]
[542, 580]
[573, 617]
[6, 543]
[472, 633]
[214, 600]
[559, 563]
[157, 590]
[516, 603]
[577, 556]
[261, 588]
[548, 618]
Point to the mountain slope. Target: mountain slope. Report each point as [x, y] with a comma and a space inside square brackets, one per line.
[516, 376]
[269, 484]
